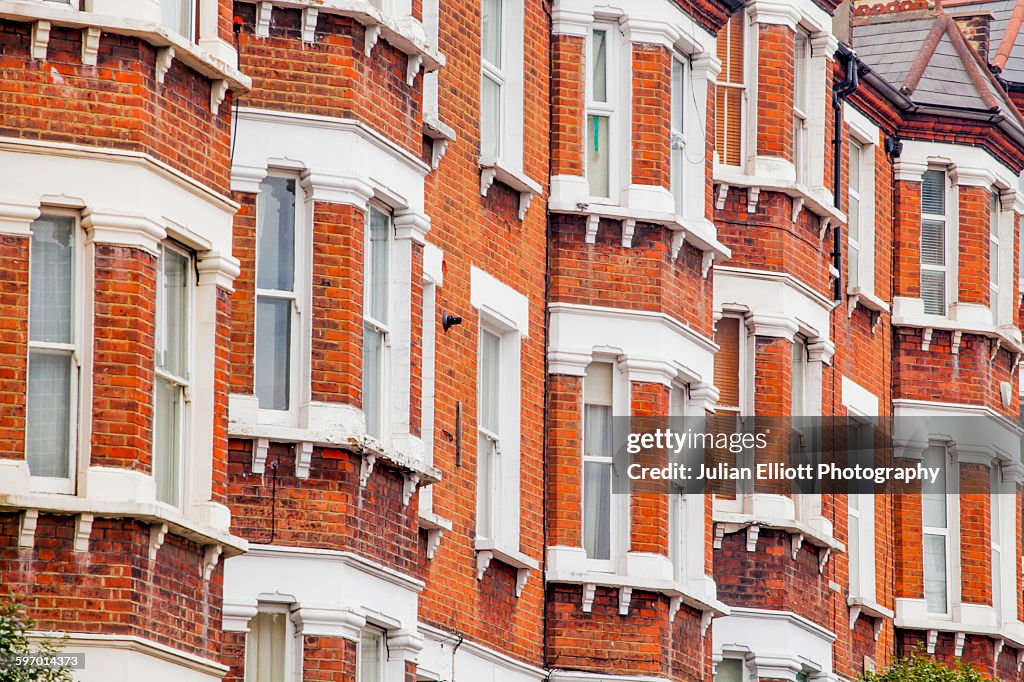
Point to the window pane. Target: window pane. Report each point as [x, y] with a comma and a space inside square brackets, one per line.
[371, 646]
[273, 352]
[167, 441]
[854, 547]
[491, 36]
[854, 264]
[855, 151]
[490, 359]
[177, 16]
[597, 431]
[275, 248]
[933, 498]
[854, 216]
[933, 291]
[598, 156]
[268, 633]
[678, 94]
[933, 192]
[485, 466]
[48, 433]
[50, 286]
[373, 380]
[935, 573]
[800, 71]
[933, 242]
[729, 670]
[377, 282]
[599, 75]
[172, 325]
[597, 484]
[799, 376]
[490, 117]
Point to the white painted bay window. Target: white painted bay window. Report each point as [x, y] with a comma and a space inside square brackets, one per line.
[601, 111]
[801, 75]
[680, 77]
[278, 299]
[269, 645]
[935, 528]
[492, 78]
[934, 256]
[53, 355]
[598, 450]
[173, 352]
[376, 318]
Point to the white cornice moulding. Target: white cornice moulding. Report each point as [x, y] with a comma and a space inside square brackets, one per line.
[566, 22]
[311, 621]
[17, 218]
[218, 269]
[124, 230]
[412, 225]
[568, 363]
[337, 189]
[648, 370]
[247, 179]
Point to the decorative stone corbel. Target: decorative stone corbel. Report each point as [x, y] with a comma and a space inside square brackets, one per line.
[705, 621]
[625, 596]
[876, 319]
[823, 557]
[798, 205]
[719, 535]
[753, 531]
[589, 590]
[483, 560]
[218, 92]
[412, 68]
[957, 336]
[366, 468]
[83, 530]
[798, 542]
[959, 639]
[628, 228]
[259, 455]
[996, 345]
[997, 649]
[264, 10]
[90, 45]
[926, 339]
[370, 38]
[706, 262]
[673, 608]
[309, 17]
[678, 239]
[27, 528]
[164, 59]
[157, 533]
[721, 196]
[753, 195]
[854, 615]
[593, 221]
[210, 558]
[930, 640]
[40, 39]
[522, 575]
[877, 628]
[487, 176]
[409, 484]
[303, 458]
[826, 221]
[437, 152]
[525, 198]
[434, 536]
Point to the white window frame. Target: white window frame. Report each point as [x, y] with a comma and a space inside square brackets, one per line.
[801, 108]
[382, 661]
[865, 134]
[597, 564]
[384, 328]
[855, 194]
[677, 135]
[78, 300]
[192, 6]
[490, 504]
[950, 532]
[995, 219]
[996, 538]
[862, 562]
[744, 667]
[947, 222]
[298, 382]
[496, 73]
[608, 108]
[292, 642]
[183, 383]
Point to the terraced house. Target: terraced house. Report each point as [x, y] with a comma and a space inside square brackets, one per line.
[315, 316]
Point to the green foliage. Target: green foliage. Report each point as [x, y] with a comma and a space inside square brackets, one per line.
[14, 641]
[919, 668]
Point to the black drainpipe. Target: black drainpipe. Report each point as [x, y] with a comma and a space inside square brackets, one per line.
[842, 90]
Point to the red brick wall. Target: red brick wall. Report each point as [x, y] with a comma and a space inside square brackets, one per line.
[242, 348]
[220, 398]
[568, 99]
[907, 243]
[775, 91]
[123, 362]
[115, 104]
[652, 115]
[565, 469]
[14, 254]
[648, 523]
[113, 588]
[972, 245]
[975, 534]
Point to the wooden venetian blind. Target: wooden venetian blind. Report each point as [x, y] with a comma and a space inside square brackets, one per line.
[727, 363]
[730, 92]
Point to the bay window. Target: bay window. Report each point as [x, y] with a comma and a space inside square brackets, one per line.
[53, 355]
[600, 119]
[171, 384]
[268, 649]
[376, 317]
[801, 71]
[492, 79]
[278, 305]
[730, 92]
[598, 451]
[678, 132]
[934, 268]
[489, 463]
[935, 529]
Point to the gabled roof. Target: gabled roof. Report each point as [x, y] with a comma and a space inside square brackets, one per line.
[1006, 43]
[924, 55]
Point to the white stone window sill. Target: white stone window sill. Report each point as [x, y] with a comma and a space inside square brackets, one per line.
[652, 573]
[856, 296]
[973, 619]
[865, 606]
[488, 550]
[186, 51]
[497, 170]
[406, 34]
[906, 312]
[818, 200]
[155, 513]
